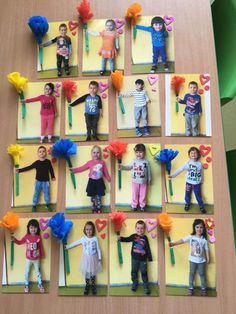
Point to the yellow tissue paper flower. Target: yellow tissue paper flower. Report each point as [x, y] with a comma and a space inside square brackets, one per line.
[15, 151]
[18, 81]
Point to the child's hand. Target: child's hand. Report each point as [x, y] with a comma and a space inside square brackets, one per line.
[65, 247]
[71, 170]
[200, 114]
[53, 179]
[171, 244]
[12, 238]
[170, 176]
[22, 101]
[120, 166]
[118, 238]
[178, 99]
[40, 45]
[17, 170]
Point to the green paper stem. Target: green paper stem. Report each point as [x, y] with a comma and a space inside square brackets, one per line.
[17, 181]
[66, 255]
[23, 106]
[85, 27]
[120, 256]
[70, 115]
[72, 175]
[170, 187]
[176, 106]
[134, 32]
[119, 175]
[172, 255]
[41, 57]
[12, 253]
[122, 108]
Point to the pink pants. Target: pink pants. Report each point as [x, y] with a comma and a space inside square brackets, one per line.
[47, 122]
[139, 192]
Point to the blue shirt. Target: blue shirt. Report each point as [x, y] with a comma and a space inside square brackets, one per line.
[193, 104]
[158, 38]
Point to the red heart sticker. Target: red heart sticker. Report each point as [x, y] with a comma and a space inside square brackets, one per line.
[103, 235]
[73, 25]
[100, 224]
[204, 78]
[105, 156]
[204, 150]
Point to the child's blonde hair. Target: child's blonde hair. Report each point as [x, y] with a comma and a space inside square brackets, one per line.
[99, 148]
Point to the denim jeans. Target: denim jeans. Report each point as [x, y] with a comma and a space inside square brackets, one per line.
[44, 186]
[202, 273]
[36, 264]
[104, 62]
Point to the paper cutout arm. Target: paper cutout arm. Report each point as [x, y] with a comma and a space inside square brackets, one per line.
[148, 250]
[92, 33]
[149, 178]
[32, 166]
[128, 94]
[147, 98]
[81, 168]
[105, 172]
[21, 241]
[51, 170]
[117, 43]
[98, 250]
[144, 28]
[73, 244]
[41, 249]
[79, 100]
[33, 99]
[127, 239]
[174, 243]
[179, 170]
[50, 42]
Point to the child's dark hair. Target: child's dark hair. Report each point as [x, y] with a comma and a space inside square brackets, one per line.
[139, 81]
[140, 148]
[193, 148]
[90, 223]
[51, 85]
[41, 146]
[158, 20]
[193, 83]
[62, 25]
[94, 83]
[199, 222]
[140, 222]
[33, 223]
[111, 21]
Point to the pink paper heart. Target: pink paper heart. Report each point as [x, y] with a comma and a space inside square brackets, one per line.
[104, 95]
[46, 235]
[153, 235]
[152, 78]
[102, 87]
[120, 31]
[210, 232]
[169, 28]
[168, 19]
[204, 78]
[119, 23]
[73, 33]
[43, 224]
[151, 224]
[212, 239]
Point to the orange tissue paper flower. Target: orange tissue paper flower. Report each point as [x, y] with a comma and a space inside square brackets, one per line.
[117, 80]
[69, 88]
[133, 12]
[165, 222]
[10, 221]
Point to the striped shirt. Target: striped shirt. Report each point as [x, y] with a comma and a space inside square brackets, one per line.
[140, 97]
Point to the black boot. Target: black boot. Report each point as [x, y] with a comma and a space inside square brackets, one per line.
[87, 287]
[93, 285]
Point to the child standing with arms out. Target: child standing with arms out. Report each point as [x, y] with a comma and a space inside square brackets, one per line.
[140, 253]
[141, 100]
[90, 263]
[64, 49]
[193, 109]
[199, 254]
[97, 170]
[93, 109]
[43, 167]
[110, 45]
[34, 252]
[48, 110]
[159, 35]
[193, 178]
[141, 177]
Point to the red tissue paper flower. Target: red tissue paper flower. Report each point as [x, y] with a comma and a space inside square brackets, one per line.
[84, 11]
[176, 84]
[117, 219]
[69, 88]
[117, 148]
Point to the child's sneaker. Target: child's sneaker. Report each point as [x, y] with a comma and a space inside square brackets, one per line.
[134, 209]
[142, 209]
[26, 289]
[59, 73]
[34, 208]
[102, 72]
[67, 72]
[190, 292]
[147, 291]
[41, 288]
[138, 132]
[153, 69]
[203, 211]
[88, 138]
[146, 131]
[166, 67]
[134, 288]
[186, 207]
[203, 293]
[49, 208]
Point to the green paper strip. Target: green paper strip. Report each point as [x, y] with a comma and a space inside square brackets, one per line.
[23, 106]
[67, 260]
[120, 256]
[119, 175]
[172, 254]
[122, 108]
[12, 253]
[17, 181]
[134, 32]
[170, 187]
[176, 106]
[85, 27]
[72, 175]
[70, 115]
[41, 57]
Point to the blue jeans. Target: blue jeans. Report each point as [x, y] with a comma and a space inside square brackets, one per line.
[158, 51]
[202, 273]
[44, 186]
[104, 62]
[36, 264]
[197, 191]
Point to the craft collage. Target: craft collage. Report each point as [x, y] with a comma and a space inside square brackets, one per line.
[117, 140]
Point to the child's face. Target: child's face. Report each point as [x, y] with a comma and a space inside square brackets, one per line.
[199, 229]
[63, 31]
[93, 90]
[193, 88]
[193, 155]
[47, 90]
[33, 230]
[42, 153]
[88, 231]
[139, 86]
[140, 229]
[157, 27]
[139, 154]
[96, 154]
[109, 26]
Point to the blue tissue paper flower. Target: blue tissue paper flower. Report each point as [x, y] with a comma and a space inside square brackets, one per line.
[64, 148]
[39, 27]
[165, 156]
[59, 227]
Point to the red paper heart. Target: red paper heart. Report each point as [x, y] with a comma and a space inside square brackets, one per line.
[207, 87]
[204, 150]
[152, 78]
[73, 25]
[102, 87]
[200, 91]
[100, 224]
[151, 224]
[103, 235]
[119, 23]
[205, 166]
[73, 33]
[168, 19]
[209, 159]
[105, 156]
[43, 224]
[204, 78]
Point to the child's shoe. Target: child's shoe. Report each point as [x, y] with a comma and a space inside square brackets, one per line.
[138, 131]
[67, 72]
[59, 73]
[134, 288]
[49, 208]
[166, 67]
[142, 209]
[41, 288]
[134, 209]
[102, 72]
[203, 211]
[153, 69]
[87, 287]
[34, 208]
[190, 292]
[186, 207]
[88, 138]
[26, 289]
[146, 131]
[203, 292]
[147, 291]
[96, 138]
